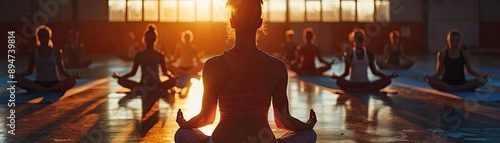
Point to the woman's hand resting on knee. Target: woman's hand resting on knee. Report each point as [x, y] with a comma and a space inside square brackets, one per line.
[312, 119]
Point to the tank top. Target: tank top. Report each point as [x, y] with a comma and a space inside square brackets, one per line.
[309, 52]
[46, 67]
[149, 67]
[359, 68]
[234, 102]
[454, 69]
[394, 55]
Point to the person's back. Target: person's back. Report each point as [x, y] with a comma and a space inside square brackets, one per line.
[243, 81]
[245, 96]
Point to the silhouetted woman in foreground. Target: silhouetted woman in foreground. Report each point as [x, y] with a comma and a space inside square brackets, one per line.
[245, 81]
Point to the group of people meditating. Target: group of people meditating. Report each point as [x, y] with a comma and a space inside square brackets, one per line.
[50, 63]
[358, 58]
[245, 81]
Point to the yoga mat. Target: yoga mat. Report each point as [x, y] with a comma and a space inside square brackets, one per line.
[328, 82]
[21, 96]
[480, 95]
[319, 80]
[418, 74]
[25, 97]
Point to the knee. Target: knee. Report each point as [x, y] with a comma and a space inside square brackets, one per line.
[121, 80]
[71, 81]
[341, 82]
[178, 135]
[312, 135]
[170, 83]
[387, 80]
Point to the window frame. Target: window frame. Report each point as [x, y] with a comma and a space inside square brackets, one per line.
[375, 14]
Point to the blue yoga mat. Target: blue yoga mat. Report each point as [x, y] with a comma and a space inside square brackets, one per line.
[25, 97]
[319, 80]
[481, 95]
[21, 96]
[419, 74]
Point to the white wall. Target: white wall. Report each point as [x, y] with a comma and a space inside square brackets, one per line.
[448, 14]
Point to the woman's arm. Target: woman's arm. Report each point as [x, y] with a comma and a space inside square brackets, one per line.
[439, 65]
[198, 54]
[282, 116]
[373, 68]
[135, 66]
[320, 57]
[60, 65]
[403, 54]
[209, 102]
[31, 65]
[163, 67]
[386, 54]
[177, 52]
[347, 65]
[468, 64]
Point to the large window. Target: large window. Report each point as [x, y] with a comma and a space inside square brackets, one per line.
[331, 10]
[348, 10]
[168, 10]
[365, 10]
[313, 10]
[134, 10]
[219, 13]
[151, 10]
[186, 11]
[382, 10]
[203, 12]
[116, 10]
[277, 10]
[296, 10]
[272, 10]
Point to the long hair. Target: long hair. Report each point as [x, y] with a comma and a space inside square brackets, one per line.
[191, 37]
[304, 35]
[395, 32]
[151, 32]
[245, 11]
[44, 28]
[450, 33]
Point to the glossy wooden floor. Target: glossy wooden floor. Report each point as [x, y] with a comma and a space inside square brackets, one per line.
[90, 113]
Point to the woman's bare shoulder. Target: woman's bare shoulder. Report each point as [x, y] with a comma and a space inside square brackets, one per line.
[215, 62]
[275, 63]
